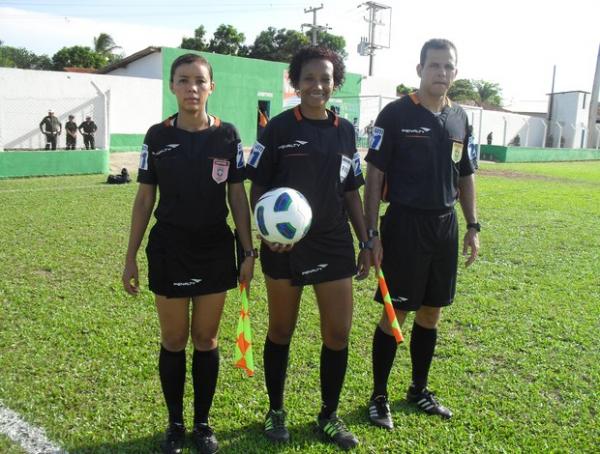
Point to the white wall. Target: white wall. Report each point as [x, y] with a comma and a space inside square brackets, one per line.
[129, 105]
[149, 67]
[569, 110]
[504, 126]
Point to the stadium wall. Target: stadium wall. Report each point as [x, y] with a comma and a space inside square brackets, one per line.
[48, 163]
[518, 154]
[240, 83]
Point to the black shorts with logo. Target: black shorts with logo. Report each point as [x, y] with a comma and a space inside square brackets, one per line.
[317, 258]
[183, 263]
[420, 255]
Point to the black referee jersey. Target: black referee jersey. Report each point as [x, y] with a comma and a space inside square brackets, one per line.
[316, 157]
[191, 169]
[421, 153]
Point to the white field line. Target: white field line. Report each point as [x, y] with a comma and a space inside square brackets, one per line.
[61, 188]
[32, 439]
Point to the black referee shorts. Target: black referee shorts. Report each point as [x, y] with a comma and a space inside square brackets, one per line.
[420, 255]
[185, 264]
[319, 257]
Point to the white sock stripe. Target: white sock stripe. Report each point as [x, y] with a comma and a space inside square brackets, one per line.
[30, 438]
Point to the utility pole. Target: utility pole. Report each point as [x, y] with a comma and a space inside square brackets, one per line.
[314, 27]
[550, 110]
[593, 115]
[368, 45]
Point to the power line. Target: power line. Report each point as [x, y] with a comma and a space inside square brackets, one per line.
[367, 46]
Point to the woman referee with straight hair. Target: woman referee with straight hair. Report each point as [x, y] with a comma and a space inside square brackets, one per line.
[196, 161]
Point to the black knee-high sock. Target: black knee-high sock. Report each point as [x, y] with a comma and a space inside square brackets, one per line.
[422, 346]
[333, 371]
[384, 352]
[205, 371]
[275, 358]
[171, 369]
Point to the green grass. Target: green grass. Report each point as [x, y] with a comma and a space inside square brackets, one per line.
[517, 358]
[8, 447]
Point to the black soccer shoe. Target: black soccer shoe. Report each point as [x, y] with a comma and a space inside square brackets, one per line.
[174, 439]
[379, 413]
[426, 401]
[275, 429]
[334, 429]
[204, 439]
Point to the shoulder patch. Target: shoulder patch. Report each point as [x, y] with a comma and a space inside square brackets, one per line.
[256, 154]
[376, 138]
[356, 164]
[239, 160]
[144, 158]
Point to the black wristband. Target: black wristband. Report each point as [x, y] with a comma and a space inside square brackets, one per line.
[474, 225]
[251, 253]
[365, 245]
[372, 233]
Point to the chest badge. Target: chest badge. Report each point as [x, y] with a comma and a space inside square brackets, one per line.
[345, 167]
[457, 148]
[220, 170]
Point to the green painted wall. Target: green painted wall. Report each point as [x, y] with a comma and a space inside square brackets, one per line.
[522, 154]
[44, 163]
[126, 142]
[241, 82]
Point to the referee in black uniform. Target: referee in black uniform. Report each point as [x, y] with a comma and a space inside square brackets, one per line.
[312, 150]
[191, 157]
[418, 160]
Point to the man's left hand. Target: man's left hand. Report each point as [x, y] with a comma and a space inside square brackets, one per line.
[471, 241]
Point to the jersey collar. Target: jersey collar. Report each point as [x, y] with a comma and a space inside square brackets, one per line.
[171, 121]
[415, 99]
[299, 117]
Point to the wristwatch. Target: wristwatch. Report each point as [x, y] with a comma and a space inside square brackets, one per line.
[365, 245]
[371, 233]
[251, 253]
[474, 225]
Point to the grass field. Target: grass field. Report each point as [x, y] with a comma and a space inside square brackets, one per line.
[518, 355]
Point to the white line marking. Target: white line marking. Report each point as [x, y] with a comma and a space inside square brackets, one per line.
[32, 439]
[62, 188]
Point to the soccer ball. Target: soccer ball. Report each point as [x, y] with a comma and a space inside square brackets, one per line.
[283, 216]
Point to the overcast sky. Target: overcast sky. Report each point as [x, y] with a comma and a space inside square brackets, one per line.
[513, 43]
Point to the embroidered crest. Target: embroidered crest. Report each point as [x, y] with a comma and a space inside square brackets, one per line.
[457, 148]
[220, 170]
[345, 168]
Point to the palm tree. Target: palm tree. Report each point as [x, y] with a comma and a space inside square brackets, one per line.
[105, 45]
[487, 92]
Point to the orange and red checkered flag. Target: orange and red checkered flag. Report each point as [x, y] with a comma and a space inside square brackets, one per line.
[244, 359]
[389, 308]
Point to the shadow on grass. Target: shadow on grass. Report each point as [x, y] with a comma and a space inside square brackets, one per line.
[248, 439]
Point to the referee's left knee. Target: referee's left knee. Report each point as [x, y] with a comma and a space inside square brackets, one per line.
[336, 340]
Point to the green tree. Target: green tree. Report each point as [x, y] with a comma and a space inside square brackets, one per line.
[277, 45]
[488, 92]
[403, 90]
[77, 56]
[105, 46]
[462, 90]
[336, 43]
[19, 57]
[197, 42]
[227, 40]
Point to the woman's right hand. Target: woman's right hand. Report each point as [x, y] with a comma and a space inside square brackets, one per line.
[276, 247]
[130, 277]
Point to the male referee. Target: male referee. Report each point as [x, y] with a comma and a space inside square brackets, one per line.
[418, 160]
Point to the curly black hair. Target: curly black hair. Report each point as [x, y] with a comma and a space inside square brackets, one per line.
[316, 53]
